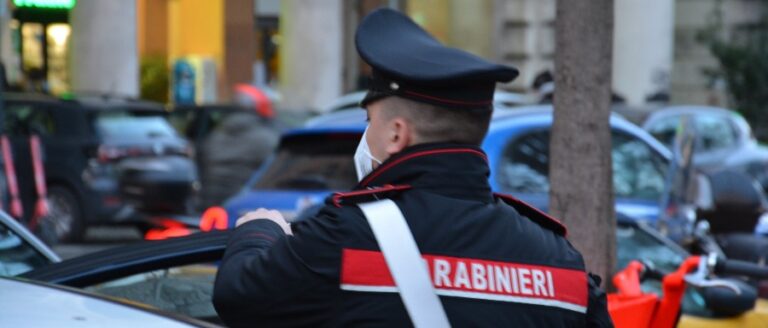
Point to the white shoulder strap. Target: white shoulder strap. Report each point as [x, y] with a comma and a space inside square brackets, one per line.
[408, 269]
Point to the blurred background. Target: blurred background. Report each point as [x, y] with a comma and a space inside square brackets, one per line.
[198, 51]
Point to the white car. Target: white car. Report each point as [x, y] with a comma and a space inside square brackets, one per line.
[30, 304]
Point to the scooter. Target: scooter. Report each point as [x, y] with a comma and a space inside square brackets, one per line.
[727, 298]
[714, 211]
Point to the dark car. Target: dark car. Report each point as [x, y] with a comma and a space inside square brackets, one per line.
[106, 159]
[724, 139]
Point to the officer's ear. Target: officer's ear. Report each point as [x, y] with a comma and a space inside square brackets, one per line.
[399, 136]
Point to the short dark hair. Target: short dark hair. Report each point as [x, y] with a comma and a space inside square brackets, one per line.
[441, 124]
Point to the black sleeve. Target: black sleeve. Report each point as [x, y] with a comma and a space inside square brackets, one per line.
[264, 269]
[597, 309]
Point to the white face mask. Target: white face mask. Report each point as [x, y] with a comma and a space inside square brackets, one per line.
[363, 158]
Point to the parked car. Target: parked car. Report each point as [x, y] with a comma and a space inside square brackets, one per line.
[316, 160]
[20, 250]
[25, 303]
[724, 139]
[177, 274]
[104, 159]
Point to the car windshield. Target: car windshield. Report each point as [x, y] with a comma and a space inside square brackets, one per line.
[714, 132]
[639, 172]
[183, 290]
[128, 125]
[17, 255]
[312, 162]
[636, 243]
[665, 129]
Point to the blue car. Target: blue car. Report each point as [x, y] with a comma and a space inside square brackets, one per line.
[313, 161]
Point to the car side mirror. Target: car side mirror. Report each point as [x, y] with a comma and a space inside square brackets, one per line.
[726, 302]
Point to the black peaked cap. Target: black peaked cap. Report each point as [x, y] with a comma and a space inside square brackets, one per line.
[408, 62]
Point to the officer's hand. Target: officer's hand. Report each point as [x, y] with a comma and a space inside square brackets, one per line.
[265, 214]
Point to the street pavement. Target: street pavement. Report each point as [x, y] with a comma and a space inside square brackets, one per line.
[97, 239]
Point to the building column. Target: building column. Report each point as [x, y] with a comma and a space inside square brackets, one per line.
[524, 37]
[239, 43]
[642, 48]
[104, 57]
[311, 53]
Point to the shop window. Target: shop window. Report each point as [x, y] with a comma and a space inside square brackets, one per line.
[25, 119]
[32, 35]
[58, 44]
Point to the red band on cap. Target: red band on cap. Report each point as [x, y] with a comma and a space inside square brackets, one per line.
[449, 101]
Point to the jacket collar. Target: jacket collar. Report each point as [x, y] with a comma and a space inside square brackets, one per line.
[456, 170]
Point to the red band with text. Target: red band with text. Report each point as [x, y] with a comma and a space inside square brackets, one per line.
[367, 271]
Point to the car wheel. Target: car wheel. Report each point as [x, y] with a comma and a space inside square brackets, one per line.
[64, 222]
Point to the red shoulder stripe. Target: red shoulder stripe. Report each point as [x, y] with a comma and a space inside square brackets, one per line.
[339, 196]
[534, 214]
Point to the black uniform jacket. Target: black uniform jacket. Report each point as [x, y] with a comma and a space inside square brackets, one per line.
[494, 261]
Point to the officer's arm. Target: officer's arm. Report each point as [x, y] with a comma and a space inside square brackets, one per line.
[263, 267]
[597, 309]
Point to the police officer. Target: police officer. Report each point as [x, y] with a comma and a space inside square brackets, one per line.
[493, 260]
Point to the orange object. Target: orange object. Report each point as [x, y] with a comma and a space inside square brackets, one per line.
[631, 308]
[169, 229]
[632, 311]
[214, 217]
[627, 281]
[16, 209]
[673, 287]
[41, 205]
[261, 101]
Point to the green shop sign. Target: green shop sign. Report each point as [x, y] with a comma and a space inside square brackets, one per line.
[45, 4]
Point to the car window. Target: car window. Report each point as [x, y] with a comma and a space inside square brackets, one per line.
[17, 255]
[665, 129]
[525, 166]
[635, 243]
[312, 162]
[126, 125]
[25, 119]
[715, 132]
[185, 290]
[638, 171]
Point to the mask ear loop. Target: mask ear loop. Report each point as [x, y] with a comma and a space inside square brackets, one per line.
[363, 158]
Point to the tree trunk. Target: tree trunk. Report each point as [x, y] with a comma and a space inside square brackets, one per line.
[581, 183]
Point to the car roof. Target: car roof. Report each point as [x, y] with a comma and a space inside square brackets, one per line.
[33, 304]
[106, 102]
[29, 96]
[213, 107]
[88, 101]
[355, 119]
[352, 100]
[687, 110]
